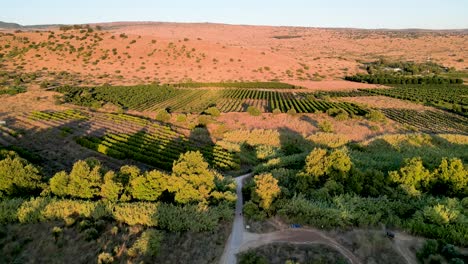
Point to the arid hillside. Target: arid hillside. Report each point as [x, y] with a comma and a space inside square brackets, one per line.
[173, 52]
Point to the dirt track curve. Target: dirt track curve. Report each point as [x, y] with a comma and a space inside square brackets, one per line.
[241, 240]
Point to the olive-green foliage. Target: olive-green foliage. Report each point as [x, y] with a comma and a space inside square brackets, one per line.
[253, 111]
[276, 111]
[413, 176]
[204, 120]
[295, 161]
[292, 112]
[84, 181]
[449, 179]
[181, 118]
[322, 166]
[169, 217]
[18, 177]
[346, 211]
[163, 116]
[213, 111]
[338, 114]
[252, 258]
[376, 116]
[266, 189]
[326, 126]
[191, 180]
[105, 258]
[111, 189]
[148, 244]
[59, 184]
[253, 211]
[388, 152]
[191, 217]
[433, 250]
[148, 186]
[139, 213]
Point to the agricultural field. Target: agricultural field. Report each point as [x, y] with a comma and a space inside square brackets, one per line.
[450, 97]
[179, 143]
[153, 98]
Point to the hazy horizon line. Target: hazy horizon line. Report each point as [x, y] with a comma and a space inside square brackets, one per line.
[236, 24]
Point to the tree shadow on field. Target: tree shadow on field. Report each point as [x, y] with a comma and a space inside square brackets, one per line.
[309, 120]
[55, 145]
[292, 142]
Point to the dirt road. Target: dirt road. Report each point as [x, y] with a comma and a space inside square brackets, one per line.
[237, 233]
[240, 240]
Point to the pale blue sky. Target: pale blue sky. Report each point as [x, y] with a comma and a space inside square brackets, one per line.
[433, 14]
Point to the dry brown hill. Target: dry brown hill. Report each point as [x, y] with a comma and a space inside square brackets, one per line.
[173, 52]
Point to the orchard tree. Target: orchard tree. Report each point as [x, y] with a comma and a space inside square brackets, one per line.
[191, 179]
[149, 186]
[450, 178]
[18, 177]
[413, 176]
[322, 166]
[84, 180]
[59, 184]
[111, 189]
[267, 189]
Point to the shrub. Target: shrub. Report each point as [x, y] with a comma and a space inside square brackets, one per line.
[148, 244]
[204, 120]
[91, 234]
[84, 181]
[253, 111]
[181, 118]
[136, 213]
[213, 111]
[105, 258]
[342, 116]
[149, 186]
[326, 126]
[276, 111]
[56, 232]
[163, 116]
[376, 116]
[292, 112]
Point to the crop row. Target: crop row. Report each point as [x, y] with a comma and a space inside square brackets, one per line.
[402, 79]
[451, 97]
[58, 115]
[188, 101]
[243, 85]
[429, 121]
[132, 97]
[157, 149]
[284, 101]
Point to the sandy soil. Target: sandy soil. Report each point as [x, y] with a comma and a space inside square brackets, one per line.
[171, 52]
